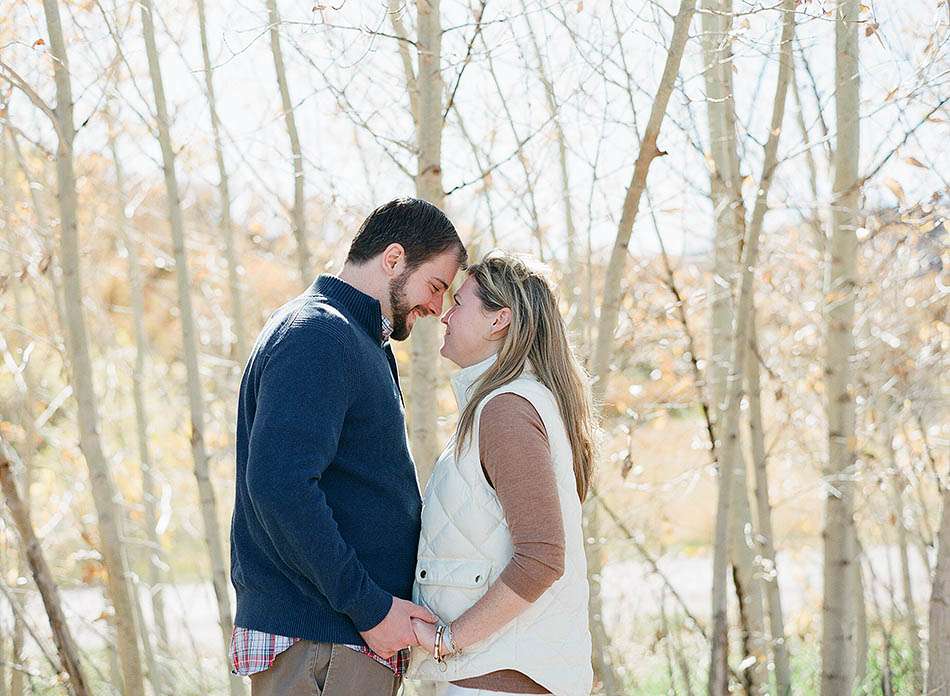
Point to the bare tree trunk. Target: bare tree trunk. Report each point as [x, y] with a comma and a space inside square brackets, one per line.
[427, 104]
[602, 654]
[103, 489]
[65, 645]
[298, 213]
[716, 22]
[209, 511]
[861, 636]
[938, 672]
[766, 536]
[154, 556]
[898, 485]
[25, 390]
[731, 460]
[729, 211]
[837, 641]
[610, 306]
[227, 229]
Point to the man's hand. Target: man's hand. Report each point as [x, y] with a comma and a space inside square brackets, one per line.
[394, 633]
[425, 635]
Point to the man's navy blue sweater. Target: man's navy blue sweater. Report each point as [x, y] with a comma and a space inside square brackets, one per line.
[327, 505]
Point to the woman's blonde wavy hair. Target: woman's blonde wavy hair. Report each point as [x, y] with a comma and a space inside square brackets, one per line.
[536, 333]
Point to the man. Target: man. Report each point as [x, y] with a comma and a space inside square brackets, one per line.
[327, 504]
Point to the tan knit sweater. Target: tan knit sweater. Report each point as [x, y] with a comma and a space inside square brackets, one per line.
[516, 458]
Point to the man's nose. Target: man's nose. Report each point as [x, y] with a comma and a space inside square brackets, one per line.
[435, 304]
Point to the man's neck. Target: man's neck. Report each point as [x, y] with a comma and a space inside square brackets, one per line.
[363, 279]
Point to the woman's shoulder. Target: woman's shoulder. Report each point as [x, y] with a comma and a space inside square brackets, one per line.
[507, 413]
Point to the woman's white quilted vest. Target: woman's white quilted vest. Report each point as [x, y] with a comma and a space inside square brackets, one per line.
[465, 544]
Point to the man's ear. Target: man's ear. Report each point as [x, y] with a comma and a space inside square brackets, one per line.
[393, 260]
[501, 322]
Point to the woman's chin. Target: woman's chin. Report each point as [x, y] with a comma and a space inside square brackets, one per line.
[446, 352]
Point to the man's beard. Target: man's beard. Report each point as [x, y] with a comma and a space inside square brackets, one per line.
[400, 307]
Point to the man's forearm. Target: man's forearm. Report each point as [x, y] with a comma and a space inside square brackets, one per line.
[301, 527]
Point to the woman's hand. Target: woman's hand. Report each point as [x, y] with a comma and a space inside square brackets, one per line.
[425, 635]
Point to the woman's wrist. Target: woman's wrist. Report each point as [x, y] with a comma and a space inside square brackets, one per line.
[450, 641]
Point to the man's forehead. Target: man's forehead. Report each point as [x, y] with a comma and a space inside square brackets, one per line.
[443, 268]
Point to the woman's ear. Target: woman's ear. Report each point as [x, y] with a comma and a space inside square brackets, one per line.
[500, 323]
[393, 259]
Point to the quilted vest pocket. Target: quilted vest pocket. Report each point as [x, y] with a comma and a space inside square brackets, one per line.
[464, 574]
[448, 586]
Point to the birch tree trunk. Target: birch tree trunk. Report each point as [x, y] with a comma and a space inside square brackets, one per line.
[610, 305]
[837, 640]
[209, 511]
[861, 636]
[155, 560]
[25, 390]
[298, 218]
[729, 213]
[716, 23]
[224, 193]
[765, 534]
[17, 628]
[731, 461]
[103, 488]
[938, 671]
[898, 485]
[65, 645]
[425, 334]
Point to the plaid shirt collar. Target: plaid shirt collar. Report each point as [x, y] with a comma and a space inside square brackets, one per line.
[387, 328]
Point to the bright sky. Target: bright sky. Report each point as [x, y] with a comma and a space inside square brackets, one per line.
[346, 81]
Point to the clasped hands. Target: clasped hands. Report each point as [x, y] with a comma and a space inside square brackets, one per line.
[407, 624]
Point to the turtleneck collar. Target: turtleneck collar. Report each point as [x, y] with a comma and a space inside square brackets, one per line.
[364, 310]
[465, 379]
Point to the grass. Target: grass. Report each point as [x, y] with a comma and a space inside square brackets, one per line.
[806, 672]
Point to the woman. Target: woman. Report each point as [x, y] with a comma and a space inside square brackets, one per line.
[501, 554]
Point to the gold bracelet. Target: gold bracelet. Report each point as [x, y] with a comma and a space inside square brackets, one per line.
[438, 648]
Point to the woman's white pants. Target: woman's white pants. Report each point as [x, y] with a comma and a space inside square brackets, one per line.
[447, 689]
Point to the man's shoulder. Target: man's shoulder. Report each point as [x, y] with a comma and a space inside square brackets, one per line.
[309, 319]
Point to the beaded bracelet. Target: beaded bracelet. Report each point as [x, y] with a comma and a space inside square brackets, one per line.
[448, 642]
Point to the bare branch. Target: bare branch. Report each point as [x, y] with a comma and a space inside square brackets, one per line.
[11, 76]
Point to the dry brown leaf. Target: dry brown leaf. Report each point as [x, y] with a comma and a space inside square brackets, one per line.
[915, 162]
[39, 42]
[896, 189]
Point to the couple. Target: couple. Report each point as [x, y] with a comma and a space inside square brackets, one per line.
[330, 539]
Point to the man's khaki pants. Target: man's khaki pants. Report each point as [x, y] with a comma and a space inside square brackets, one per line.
[324, 669]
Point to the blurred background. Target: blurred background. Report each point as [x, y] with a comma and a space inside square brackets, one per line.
[743, 205]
